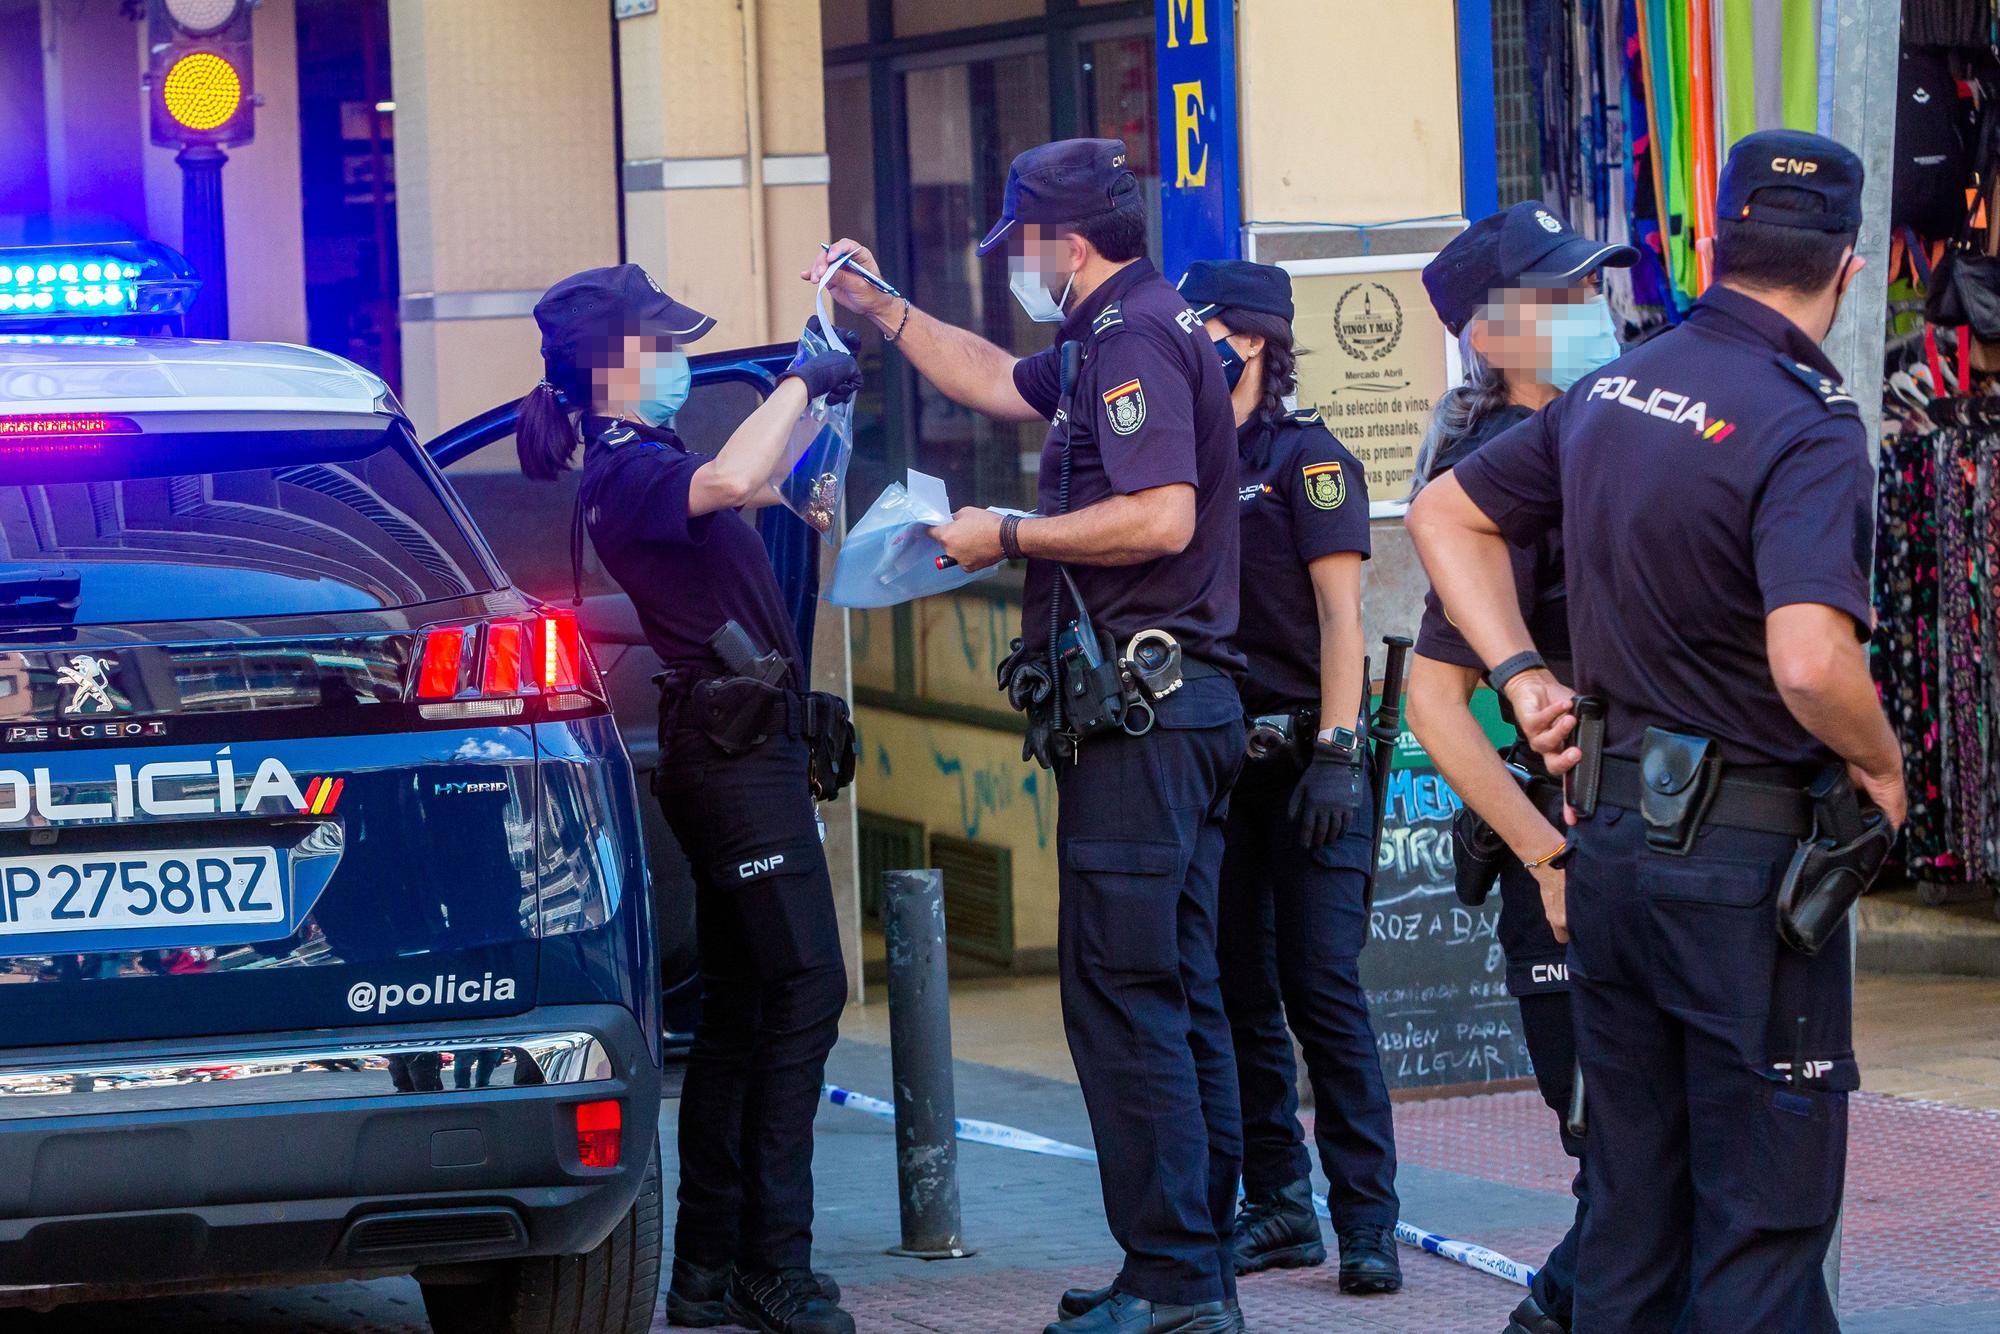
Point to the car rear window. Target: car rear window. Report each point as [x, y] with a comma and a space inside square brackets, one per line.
[220, 525]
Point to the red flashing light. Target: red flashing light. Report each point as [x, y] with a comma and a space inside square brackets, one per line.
[40, 426]
[438, 672]
[598, 1126]
[562, 650]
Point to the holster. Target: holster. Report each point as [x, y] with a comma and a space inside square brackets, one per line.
[737, 713]
[1094, 698]
[1582, 782]
[1478, 857]
[1833, 868]
[1680, 774]
[832, 755]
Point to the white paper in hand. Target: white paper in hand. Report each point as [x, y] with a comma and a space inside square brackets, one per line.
[889, 555]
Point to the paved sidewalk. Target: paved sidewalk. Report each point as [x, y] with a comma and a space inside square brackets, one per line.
[1923, 1220]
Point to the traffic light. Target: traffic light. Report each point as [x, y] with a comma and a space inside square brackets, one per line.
[199, 72]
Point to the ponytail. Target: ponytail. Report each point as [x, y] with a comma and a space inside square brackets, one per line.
[545, 437]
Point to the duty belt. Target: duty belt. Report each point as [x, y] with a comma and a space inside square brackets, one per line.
[1767, 799]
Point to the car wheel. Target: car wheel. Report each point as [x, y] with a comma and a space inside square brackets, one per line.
[609, 1290]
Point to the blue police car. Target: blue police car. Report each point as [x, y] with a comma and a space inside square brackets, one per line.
[326, 940]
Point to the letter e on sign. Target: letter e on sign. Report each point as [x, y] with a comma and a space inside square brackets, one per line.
[1187, 135]
[1189, 16]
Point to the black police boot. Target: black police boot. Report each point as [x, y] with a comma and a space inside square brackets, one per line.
[1122, 1313]
[782, 1301]
[1530, 1318]
[694, 1298]
[1278, 1231]
[1368, 1260]
[1076, 1301]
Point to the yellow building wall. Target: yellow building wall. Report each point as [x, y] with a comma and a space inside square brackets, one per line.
[1348, 109]
[970, 782]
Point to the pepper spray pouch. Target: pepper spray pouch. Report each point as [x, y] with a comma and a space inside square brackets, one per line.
[1680, 776]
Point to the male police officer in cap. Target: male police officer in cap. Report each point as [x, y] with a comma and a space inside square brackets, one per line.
[1135, 532]
[1714, 495]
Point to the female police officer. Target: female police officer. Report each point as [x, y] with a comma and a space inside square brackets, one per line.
[1519, 290]
[1292, 916]
[732, 780]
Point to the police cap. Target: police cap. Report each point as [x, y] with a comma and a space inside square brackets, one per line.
[1070, 180]
[1237, 284]
[602, 303]
[1794, 160]
[1523, 246]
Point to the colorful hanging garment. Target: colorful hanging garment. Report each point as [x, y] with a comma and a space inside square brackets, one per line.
[1905, 653]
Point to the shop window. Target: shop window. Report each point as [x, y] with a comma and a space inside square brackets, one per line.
[1517, 132]
[918, 18]
[1120, 101]
[966, 122]
[850, 146]
[843, 22]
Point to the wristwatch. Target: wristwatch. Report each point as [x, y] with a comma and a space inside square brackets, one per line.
[1344, 744]
[1525, 661]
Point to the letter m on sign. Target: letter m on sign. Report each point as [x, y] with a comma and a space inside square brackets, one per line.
[1189, 17]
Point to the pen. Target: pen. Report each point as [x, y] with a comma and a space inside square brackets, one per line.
[866, 276]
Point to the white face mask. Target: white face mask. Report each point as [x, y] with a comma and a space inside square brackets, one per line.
[1043, 307]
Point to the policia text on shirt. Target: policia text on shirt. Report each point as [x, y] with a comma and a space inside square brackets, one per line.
[1132, 559]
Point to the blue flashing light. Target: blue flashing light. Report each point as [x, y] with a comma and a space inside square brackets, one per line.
[86, 281]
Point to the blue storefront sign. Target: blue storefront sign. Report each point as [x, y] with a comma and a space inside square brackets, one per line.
[1201, 210]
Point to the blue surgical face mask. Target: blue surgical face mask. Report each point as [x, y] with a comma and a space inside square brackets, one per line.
[664, 383]
[1232, 361]
[1581, 339]
[1042, 305]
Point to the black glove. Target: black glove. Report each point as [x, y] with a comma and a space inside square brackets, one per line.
[1328, 798]
[1043, 744]
[834, 374]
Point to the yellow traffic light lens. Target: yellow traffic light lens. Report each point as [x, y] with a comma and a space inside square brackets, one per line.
[202, 91]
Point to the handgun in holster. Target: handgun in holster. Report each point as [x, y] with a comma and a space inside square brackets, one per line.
[1478, 853]
[1833, 868]
[740, 711]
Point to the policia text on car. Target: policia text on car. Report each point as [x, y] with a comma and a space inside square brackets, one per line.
[744, 751]
[1716, 561]
[1127, 672]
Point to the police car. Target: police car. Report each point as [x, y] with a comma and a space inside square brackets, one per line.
[326, 945]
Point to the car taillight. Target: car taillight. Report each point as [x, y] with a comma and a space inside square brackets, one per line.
[490, 669]
[597, 1133]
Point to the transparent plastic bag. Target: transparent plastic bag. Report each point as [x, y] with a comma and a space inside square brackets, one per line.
[822, 442]
[890, 557]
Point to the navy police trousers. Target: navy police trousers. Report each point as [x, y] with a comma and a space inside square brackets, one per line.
[1139, 834]
[1292, 926]
[1538, 978]
[1714, 1169]
[773, 986]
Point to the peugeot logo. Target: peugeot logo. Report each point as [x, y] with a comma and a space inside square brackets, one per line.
[89, 679]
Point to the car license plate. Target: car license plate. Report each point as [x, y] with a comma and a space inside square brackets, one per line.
[123, 891]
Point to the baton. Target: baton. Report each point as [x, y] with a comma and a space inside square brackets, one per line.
[1383, 733]
[865, 276]
[1576, 1122]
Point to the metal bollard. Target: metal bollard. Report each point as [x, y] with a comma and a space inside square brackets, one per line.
[920, 1062]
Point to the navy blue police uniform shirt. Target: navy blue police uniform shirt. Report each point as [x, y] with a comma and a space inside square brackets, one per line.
[1701, 481]
[1537, 566]
[1300, 496]
[686, 574]
[1151, 409]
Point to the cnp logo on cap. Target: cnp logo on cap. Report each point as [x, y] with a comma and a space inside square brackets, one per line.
[1811, 169]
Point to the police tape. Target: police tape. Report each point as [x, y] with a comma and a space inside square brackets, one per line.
[1470, 1254]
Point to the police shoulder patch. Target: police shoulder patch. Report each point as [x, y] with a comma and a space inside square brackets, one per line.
[1305, 417]
[621, 434]
[1126, 407]
[1829, 390]
[1111, 317]
[1326, 485]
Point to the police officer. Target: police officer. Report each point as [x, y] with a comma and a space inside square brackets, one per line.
[1136, 532]
[739, 758]
[1714, 494]
[1520, 291]
[1295, 870]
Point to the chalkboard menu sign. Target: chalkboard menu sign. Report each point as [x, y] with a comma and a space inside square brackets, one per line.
[1433, 969]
